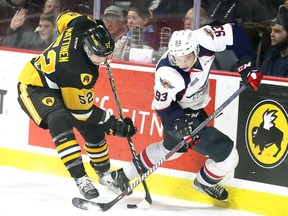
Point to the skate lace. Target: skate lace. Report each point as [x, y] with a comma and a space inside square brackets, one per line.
[217, 189]
[84, 183]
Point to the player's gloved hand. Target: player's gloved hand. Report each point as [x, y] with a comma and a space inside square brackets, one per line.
[248, 74]
[114, 126]
[254, 78]
[184, 130]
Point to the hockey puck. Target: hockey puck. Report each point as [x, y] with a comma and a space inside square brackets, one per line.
[131, 206]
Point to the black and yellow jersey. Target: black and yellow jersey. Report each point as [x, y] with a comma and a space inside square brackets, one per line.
[64, 65]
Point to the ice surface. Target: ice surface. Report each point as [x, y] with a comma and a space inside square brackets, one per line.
[29, 193]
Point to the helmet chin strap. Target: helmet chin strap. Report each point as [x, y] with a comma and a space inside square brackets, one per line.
[87, 50]
[172, 59]
[89, 53]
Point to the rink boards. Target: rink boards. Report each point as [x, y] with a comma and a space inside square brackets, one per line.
[258, 184]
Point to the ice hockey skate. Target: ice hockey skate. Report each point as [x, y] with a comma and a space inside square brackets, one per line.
[116, 181]
[101, 171]
[217, 192]
[86, 187]
[101, 175]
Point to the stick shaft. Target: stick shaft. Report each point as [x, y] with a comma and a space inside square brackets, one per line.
[131, 145]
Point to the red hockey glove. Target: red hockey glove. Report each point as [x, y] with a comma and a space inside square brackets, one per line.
[184, 129]
[248, 74]
[254, 78]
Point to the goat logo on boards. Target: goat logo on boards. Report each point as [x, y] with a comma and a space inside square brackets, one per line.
[266, 134]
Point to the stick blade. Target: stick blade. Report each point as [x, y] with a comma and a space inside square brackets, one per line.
[85, 204]
[144, 204]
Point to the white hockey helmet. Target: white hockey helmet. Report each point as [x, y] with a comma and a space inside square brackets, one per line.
[182, 43]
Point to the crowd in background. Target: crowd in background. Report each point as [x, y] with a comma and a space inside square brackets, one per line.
[141, 28]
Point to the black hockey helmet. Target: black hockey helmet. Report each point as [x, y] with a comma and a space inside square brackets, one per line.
[99, 41]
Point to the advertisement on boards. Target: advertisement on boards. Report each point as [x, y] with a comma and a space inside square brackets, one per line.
[262, 135]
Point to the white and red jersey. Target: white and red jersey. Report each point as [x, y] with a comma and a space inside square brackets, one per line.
[175, 89]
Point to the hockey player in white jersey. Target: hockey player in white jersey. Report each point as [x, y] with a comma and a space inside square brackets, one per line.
[181, 92]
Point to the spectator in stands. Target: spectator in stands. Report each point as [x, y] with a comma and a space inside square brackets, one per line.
[38, 40]
[140, 16]
[188, 19]
[114, 21]
[141, 32]
[276, 60]
[53, 6]
[20, 17]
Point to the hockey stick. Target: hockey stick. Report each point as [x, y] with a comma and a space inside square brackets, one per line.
[148, 200]
[85, 204]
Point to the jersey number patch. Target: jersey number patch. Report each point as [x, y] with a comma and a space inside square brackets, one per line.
[161, 97]
[86, 99]
[47, 65]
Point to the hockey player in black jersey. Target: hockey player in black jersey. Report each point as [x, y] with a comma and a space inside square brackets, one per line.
[181, 92]
[56, 90]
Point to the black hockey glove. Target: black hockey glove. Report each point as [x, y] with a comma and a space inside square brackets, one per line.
[114, 126]
[184, 130]
[248, 73]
